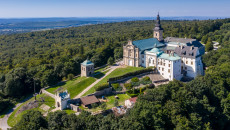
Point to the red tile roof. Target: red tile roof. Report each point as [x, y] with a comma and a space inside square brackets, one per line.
[134, 99]
[89, 100]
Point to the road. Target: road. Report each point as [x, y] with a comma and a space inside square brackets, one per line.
[3, 121]
[98, 80]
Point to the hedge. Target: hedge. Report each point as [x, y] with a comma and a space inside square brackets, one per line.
[102, 86]
[131, 74]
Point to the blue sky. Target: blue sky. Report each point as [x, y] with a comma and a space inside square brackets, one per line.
[112, 8]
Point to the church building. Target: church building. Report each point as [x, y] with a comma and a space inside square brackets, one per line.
[173, 57]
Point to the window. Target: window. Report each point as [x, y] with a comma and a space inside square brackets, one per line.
[185, 68]
[186, 62]
[181, 61]
[162, 69]
[136, 55]
[130, 53]
[156, 34]
[142, 56]
[163, 64]
[159, 68]
[142, 61]
[162, 73]
[191, 63]
[169, 65]
[169, 70]
[153, 61]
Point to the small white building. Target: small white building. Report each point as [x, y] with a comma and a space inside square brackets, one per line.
[61, 100]
[130, 102]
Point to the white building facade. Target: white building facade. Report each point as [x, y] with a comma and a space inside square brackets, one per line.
[174, 58]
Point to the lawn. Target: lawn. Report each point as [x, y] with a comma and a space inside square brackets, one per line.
[69, 111]
[74, 86]
[116, 72]
[110, 102]
[74, 90]
[121, 100]
[14, 119]
[65, 85]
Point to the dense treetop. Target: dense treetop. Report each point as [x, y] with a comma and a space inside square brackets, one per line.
[48, 56]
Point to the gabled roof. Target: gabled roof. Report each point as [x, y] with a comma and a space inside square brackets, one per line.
[87, 62]
[187, 51]
[133, 100]
[87, 100]
[179, 40]
[186, 42]
[147, 43]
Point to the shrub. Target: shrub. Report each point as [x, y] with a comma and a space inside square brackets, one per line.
[151, 86]
[135, 83]
[102, 86]
[128, 86]
[116, 103]
[70, 76]
[146, 78]
[134, 79]
[110, 61]
[132, 93]
[94, 105]
[117, 87]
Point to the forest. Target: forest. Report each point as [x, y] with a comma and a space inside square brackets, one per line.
[47, 57]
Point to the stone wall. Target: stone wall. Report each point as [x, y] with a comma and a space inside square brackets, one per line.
[127, 78]
[48, 93]
[107, 91]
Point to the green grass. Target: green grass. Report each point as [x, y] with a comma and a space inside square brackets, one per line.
[69, 111]
[117, 72]
[121, 100]
[65, 85]
[13, 120]
[74, 86]
[74, 90]
[110, 102]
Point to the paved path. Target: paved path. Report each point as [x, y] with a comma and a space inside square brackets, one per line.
[3, 121]
[98, 80]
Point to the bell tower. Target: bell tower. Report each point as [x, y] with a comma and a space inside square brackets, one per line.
[158, 31]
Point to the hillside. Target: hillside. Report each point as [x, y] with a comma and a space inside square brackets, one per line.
[49, 56]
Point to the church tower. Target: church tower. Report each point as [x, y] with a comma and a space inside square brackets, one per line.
[158, 31]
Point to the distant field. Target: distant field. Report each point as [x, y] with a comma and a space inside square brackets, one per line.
[117, 72]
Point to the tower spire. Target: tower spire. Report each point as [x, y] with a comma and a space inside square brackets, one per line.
[158, 30]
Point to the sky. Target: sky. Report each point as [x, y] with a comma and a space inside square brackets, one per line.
[112, 8]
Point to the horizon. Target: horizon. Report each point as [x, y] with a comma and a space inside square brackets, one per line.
[162, 17]
[109, 8]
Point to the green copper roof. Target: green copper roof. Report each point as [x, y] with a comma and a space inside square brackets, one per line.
[64, 95]
[147, 43]
[87, 62]
[169, 57]
[155, 50]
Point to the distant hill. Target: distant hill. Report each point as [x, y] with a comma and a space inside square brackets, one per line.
[21, 25]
